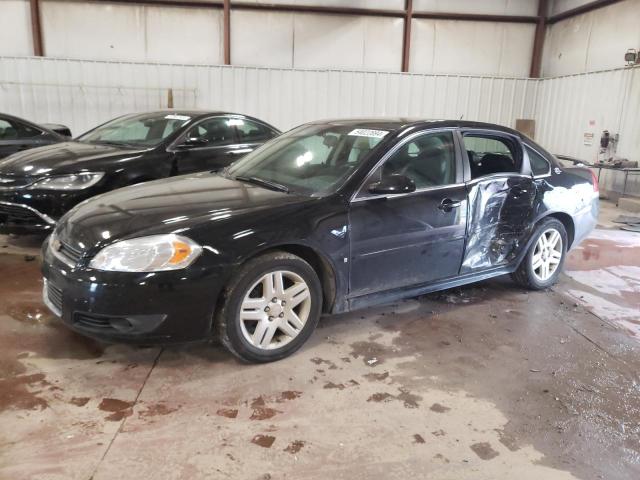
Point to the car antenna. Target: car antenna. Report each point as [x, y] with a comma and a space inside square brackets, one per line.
[461, 116]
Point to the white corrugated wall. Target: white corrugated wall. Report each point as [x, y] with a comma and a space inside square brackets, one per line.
[84, 93]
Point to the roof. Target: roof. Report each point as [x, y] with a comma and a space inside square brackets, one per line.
[397, 123]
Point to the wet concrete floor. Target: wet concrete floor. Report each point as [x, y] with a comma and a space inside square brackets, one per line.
[482, 382]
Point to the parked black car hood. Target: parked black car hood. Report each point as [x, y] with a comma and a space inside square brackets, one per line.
[66, 157]
[173, 205]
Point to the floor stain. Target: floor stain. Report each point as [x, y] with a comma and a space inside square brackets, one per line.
[263, 413]
[227, 412]
[16, 393]
[295, 446]
[264, 441]
[376, 377]
[436, 407]
[79, 401]
[417, 438]
[484, 451]
[119, 409]
[157, 409]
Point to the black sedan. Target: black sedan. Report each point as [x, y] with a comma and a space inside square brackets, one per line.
[38, 186]
[17, 134]
[328, 217]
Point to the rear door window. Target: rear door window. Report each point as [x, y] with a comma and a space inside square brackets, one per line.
[489, 155]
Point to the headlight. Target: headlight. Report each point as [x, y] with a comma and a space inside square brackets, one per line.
[147, 254]
[77, 181]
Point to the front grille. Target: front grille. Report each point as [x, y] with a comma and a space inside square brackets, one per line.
[92, 321]
[19, 214]
[73, 254]
[54, 294]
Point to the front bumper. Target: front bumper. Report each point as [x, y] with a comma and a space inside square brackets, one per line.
[141, 308]
[32, 211]
[20, 218]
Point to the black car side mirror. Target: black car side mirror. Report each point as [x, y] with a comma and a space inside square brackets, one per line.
[193, 142]
[393, 184]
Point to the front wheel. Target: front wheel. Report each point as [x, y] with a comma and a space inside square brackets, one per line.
[271, 307]
[543, 263]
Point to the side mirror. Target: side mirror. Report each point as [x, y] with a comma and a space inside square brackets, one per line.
[393, 184]
[193, 142]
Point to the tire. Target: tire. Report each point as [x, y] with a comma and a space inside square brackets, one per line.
[256, 329]
[531, 272]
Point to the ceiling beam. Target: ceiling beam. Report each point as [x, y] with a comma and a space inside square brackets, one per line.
[36, 28]
[538, 40]
[227, 31]
[406, 39]
[586, 8]
[476, 17]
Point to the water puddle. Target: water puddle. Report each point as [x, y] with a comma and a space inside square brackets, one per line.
[607, 265]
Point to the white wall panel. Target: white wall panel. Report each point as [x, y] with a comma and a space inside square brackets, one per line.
[85, 93]
[560, 6]
[333, 41]
[568, 107]
[179, 34]
[480, 48]
[262, 39]
[593, 41]
[495, 7]
[106, 31]
[15, 28]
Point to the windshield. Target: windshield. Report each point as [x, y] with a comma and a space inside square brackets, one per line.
[311, 160]
[146, 130]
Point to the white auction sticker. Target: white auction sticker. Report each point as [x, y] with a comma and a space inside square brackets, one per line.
[365, 132]
[184, 118]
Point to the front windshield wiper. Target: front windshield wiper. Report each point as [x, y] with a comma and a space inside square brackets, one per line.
[114, 144]
[264, 183]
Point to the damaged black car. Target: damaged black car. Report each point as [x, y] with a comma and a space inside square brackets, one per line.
[327, 218]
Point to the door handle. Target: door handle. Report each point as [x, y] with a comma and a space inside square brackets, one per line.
[447, 204]
[242, 151]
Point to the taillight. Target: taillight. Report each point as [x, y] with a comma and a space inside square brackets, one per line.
[596, 187]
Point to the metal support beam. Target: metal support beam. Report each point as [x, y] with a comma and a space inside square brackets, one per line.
[227, 31]
[36, 28]
[476, 17]
[538, 41]
[318, 9]
[406, 41]
[586, 8]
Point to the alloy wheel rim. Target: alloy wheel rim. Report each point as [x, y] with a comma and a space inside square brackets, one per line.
[547, 254]
[275, 309]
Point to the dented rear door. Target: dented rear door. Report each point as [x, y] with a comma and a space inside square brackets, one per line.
[501, 210]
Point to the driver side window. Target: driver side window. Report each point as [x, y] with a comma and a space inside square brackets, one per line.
[216, 131]
[429, 160]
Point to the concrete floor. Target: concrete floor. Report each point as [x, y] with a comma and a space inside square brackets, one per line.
[482, 382]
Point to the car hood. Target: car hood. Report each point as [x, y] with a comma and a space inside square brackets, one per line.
[66, 157]
[172, 205]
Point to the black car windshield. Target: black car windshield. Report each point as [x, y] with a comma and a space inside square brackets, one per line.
[146, 130]
[310, 160]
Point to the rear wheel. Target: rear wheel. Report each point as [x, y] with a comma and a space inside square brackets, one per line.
[543, 263]
[271, 307]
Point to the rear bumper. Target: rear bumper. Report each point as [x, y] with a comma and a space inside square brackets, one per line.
[585, 220]
[140, 308]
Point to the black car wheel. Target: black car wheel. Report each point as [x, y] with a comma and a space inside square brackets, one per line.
[270, 308]
[543, 263]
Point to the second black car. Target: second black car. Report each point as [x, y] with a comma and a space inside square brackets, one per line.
[38, 186]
